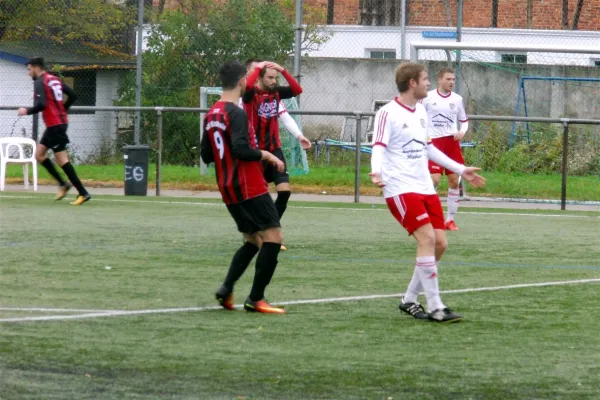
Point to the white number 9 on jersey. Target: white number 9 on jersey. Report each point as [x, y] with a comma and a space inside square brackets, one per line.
[56, 87]
[219, 143]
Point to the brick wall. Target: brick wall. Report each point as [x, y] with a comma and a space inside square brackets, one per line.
[547, 14]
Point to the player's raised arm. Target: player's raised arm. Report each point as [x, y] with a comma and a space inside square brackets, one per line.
[286, 92]
[251, 81]
[380, 141]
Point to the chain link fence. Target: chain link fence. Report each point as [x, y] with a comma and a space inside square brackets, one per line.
[535, 83]
[580, 137]
[350, 50]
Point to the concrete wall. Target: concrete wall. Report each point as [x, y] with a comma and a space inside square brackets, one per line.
[353, 85]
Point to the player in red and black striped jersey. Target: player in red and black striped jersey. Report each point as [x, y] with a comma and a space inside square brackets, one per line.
[48, 94]
[227, 142]
[261, 102]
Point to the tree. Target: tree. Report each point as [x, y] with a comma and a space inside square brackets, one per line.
[186, 49]
[66, 20]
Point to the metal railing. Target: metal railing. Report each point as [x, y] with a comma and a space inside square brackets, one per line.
[358, 144]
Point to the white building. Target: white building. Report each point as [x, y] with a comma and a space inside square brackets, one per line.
[94, 77]
[356, 41]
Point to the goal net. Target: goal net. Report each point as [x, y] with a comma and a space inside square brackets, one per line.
[541, 81]
[295, 156]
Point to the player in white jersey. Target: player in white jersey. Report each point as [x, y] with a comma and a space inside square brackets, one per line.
[399, 164]
[445, 109]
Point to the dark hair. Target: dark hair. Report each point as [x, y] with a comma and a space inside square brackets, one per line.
[250, 61]
[445, 71]
[405, 73]
[230, 74]
[37, 62]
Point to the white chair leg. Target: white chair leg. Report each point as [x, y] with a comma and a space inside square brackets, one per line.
[34, 172]
[2, 175]
[26, 176]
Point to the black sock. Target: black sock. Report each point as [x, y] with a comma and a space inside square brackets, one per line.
[281, 201]
[265, 268]
[49, 165]
[239, 263]
[72, 175]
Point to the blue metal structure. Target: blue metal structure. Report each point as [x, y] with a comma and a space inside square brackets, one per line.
[521, 94]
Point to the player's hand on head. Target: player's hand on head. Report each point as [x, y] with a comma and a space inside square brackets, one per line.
[376, 179]
[304, 142]
[22, 111]
[471, 176]
[275, 66]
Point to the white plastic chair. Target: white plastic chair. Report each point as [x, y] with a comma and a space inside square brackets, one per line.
[17, 142]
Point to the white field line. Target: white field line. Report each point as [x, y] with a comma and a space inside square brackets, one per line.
[206, 204]
[286, 303]
[54, 310]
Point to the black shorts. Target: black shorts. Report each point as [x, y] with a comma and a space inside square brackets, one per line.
[254, 215]
[55, 138]
[270, 172]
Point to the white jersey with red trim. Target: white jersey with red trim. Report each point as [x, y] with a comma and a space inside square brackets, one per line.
[403, 132]
[444, 111]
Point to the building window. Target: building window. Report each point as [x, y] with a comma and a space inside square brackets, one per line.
[596, 63]
[382, 54]
[84, 85]
[514, 58]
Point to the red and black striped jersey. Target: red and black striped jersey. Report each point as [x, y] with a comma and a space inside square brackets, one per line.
[262, 108]
[227, 142]
[48, 98]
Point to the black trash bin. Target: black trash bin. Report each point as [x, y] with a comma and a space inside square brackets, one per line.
[136, 170]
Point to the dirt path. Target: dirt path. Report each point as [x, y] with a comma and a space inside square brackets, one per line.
[478, 202]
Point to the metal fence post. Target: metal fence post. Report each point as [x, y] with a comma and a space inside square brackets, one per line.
[159, 143]
[138, 72]
[565, 156]
[357, 170]
[298, 44]
[203, 104]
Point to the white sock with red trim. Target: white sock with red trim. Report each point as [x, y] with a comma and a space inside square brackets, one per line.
[428, 276]
[453, 200]
[414, 288]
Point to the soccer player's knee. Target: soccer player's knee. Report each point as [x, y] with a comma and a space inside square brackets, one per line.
[427, 240]
[254, 239]
[273, 235]
[40, 157]
[441, 245]
[277, 236]
[453, 181]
